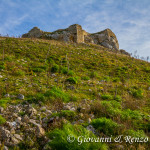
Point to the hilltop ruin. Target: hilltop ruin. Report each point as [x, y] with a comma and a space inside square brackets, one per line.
[75, 33]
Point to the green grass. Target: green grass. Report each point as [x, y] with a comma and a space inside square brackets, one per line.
[107, 126]
[59, 139]
[113, 86]
[2, 120]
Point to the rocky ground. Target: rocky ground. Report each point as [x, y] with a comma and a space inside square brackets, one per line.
[26, 122]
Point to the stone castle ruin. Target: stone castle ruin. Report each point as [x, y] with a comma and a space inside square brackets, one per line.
[75, 33]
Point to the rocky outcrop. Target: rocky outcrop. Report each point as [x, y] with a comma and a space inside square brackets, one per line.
[75, 33]
[106, 38]
[35, 32]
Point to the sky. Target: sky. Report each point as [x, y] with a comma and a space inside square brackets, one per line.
[128, 19]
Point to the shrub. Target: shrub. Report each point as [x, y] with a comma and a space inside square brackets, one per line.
[117, 98]
[57, 93]
[3, 102]
[106, 78]
[85, 78]
[40, 97]
[106, 97]
[2, 120]
[133, 133]
[37, 69]
[55, 68]
[130, 114]
[2, 67]
[60, 141]
[72, 80]
[19, 73]
[115, 79]
[137, 93]
[93, 74]
[106, 108]
[68, 114]
[107, 126]
[65, 70]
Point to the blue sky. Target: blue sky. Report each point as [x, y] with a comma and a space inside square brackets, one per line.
[128, 19]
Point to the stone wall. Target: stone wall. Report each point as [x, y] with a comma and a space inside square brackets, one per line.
[75, 33]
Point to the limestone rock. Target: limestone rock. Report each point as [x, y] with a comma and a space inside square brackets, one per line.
[20, 96]
[1, 109]
[106, 38]
[35, 32]
[7, 95]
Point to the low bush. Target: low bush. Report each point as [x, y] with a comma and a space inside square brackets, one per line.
[2, 120]
[107, 126]
[117, 98]
[65, 70]
[93, 74]
[68, 114]
[133, 133]
[57, 93]
[137, 93]
[55, 68]
[106, 97]
[71, 137]
[73, 80]
[3, 102]
[130, 115]
[85, 78]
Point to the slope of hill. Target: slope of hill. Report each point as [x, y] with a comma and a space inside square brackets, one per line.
[55, 95]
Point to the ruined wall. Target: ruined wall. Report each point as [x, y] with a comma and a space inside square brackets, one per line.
[75, 33]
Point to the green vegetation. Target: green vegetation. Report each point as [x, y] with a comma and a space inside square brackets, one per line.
[113, 87]
[2, 120]
[73, 80]
[59, 136]
[107, 126]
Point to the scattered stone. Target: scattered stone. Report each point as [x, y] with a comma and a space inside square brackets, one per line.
[4, 133]
[120, 147]
[67, 107]
[18, 120]
[1, 109]
[40, 131]
[53, 75]
[20, 96]
[14, 140]
[17, 136]
[6, 95]
[89, 120]
[25, 119]
[32, 111]
[70, 87]
[12, 96]
[81, 121]
[81, 115]
[72, 109]
[56, 80]
[91, 128]
[5, 148]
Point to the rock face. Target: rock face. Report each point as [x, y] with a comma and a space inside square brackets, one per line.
[35, 32]
[75, 33]
[106, 38]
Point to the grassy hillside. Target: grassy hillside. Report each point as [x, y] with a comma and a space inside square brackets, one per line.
[105, 89]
